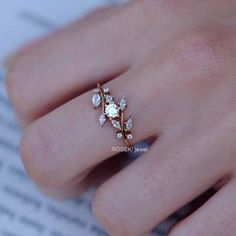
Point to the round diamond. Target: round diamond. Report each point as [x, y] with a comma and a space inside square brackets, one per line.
[106, 90]
[119, 135]
[112, 110]
[96, 99]
[129, 136]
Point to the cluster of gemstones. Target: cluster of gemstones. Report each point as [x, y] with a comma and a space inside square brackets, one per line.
[113, 111]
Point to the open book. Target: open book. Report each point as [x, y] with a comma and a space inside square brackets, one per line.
[24, 211]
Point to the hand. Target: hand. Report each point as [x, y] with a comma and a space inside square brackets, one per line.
[175, 62]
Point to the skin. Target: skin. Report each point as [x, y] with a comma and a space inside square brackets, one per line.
[175, 62]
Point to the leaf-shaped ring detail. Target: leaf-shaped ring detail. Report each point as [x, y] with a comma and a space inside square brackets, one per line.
[113, 111]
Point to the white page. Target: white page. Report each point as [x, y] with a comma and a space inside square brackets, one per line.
[24, 211]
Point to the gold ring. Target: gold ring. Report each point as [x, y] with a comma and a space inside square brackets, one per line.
[113, 111]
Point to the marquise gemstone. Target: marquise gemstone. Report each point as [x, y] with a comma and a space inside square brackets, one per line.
[116, 124]
[96, 100]
[129, 124]
[102, 119]
[109, 99]
[123, 103]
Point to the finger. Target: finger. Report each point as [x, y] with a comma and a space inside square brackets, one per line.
[70, 138]
[159, 183]
[65, 64]
[92, 178]
[52, 70]
[215, 218]
[11, 59]
[169, 176]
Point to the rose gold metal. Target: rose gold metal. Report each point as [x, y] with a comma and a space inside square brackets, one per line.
[102, 96]
[123, 129]
[119, 118]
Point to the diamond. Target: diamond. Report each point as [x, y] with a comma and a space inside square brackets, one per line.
[129, 123]
[123, 103]
[96, 99]
[116, 124]
[106, 90]
[112, 110]
[109, 99]
[119, 135]
[129, 136]
[102, 119]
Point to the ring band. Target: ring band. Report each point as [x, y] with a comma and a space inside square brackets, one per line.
[114, 112]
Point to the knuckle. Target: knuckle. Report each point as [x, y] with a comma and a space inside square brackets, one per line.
[200, 49]
[34, 151]
[202, 54]
[104, 207]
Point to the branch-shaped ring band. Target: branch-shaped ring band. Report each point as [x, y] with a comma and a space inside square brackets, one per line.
[113, 111]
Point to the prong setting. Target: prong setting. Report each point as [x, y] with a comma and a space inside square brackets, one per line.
[113, 111]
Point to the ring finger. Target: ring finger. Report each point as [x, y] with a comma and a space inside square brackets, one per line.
[68, 137]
